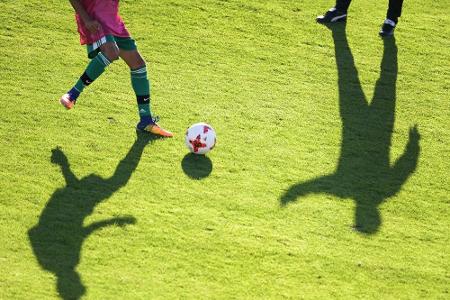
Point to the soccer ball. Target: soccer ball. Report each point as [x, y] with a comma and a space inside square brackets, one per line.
[200, 138]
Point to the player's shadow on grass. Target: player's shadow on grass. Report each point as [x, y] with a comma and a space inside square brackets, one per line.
[364, 172]
[58, 237]
[196, 166]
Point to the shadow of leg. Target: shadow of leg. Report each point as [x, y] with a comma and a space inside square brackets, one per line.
[326, 185]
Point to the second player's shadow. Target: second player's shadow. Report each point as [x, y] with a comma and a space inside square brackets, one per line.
[197, 166]
[58, 237]
[364, 172]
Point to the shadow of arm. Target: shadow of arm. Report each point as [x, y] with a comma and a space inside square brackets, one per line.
[119, 221]
[406, 164]
[318, 185]
[59, 158]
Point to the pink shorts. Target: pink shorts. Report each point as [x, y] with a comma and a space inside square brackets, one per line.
[107, 14]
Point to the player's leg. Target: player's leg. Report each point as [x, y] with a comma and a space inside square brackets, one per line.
[141, 87]
[338, 13]
[107, 53]
[393, 13]
[394, 10]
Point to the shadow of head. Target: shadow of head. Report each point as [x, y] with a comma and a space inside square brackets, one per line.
[367, 218]
[69, 284]
[196, 166]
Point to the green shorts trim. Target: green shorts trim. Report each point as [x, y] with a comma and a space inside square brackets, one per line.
[124, 43]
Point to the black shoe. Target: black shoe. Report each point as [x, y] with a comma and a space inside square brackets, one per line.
[332, 16]
[387, 29]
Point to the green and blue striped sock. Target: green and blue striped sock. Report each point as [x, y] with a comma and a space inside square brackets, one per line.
[94, 69]
[141, 87]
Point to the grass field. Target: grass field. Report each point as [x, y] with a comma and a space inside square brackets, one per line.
[330, 178]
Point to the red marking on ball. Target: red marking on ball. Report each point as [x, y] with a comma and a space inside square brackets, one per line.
[197, 143]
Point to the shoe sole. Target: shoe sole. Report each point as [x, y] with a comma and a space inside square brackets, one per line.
[161, 133]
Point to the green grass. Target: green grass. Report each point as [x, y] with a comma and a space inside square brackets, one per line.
[264, 75]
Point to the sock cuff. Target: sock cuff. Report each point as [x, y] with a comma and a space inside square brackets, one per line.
[103, 59]
[139, 73]
[139, 70]
[390, 22]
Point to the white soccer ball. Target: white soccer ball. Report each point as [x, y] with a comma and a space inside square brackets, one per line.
[200, 138]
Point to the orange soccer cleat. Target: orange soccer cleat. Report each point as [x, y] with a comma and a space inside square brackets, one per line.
[153, 128]
[66, 101]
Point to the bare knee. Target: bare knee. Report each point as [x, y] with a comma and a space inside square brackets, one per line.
[141, 62]
[112, 54]
[133, 59]
[111, 51]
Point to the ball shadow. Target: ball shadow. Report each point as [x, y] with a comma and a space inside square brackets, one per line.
[196, 166]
